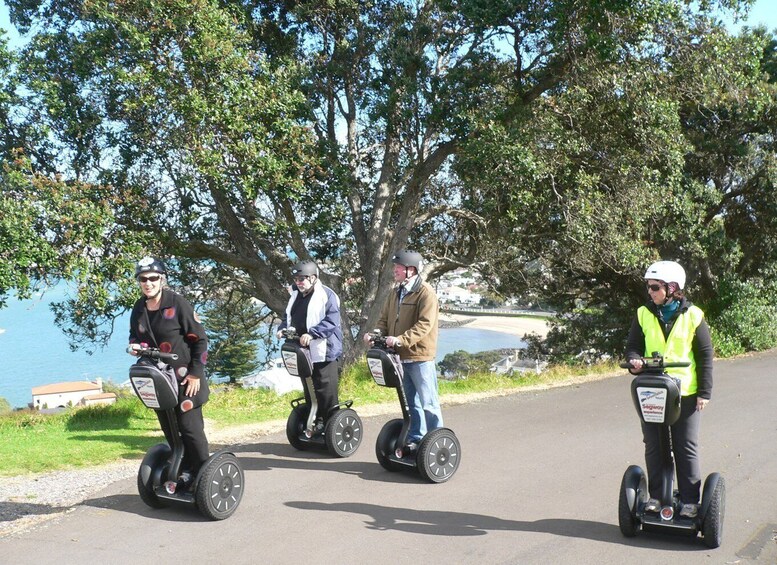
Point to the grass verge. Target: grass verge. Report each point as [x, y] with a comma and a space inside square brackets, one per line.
[96, 435]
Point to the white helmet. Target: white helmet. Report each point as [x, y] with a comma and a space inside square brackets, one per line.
[667, 271]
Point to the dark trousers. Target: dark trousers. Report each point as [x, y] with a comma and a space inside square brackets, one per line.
[192, 431]
[685, 447]
[326, 379]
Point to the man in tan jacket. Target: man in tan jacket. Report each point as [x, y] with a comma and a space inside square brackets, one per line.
[410, 320]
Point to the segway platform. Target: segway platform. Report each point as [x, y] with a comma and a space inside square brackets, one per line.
[657, 397]
[217, 489]
[438, 454]
[342, 433]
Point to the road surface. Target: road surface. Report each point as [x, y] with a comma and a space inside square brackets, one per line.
[538, 483]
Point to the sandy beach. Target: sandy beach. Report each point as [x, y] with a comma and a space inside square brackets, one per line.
[515, 325]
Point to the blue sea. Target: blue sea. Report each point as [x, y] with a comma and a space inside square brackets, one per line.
[35, 352]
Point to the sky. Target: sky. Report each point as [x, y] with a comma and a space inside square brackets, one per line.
[763, 12]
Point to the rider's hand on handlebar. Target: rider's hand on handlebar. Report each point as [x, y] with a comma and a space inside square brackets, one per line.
[636, 364]
[305, 339]
[279, 334]
[393, 342]
[133, 349]
[369, 338]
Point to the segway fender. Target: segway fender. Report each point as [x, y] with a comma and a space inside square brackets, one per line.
[709, 487]
[151, 467]
[632, 478]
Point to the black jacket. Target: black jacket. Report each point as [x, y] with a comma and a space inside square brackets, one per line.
[703, 352]
[177, 329]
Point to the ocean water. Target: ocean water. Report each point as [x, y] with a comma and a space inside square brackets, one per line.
[35, 352]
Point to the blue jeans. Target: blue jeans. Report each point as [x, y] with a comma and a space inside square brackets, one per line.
[420, 384]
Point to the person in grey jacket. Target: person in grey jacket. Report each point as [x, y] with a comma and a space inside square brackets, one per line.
[314, 311]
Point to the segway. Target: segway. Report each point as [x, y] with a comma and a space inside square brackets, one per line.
[656, 397]
[218, 487]
[342, 432]
[439, 452]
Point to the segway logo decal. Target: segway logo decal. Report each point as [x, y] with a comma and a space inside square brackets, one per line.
[290, 360]
[146, 391]
[376, 368]
[652, 401]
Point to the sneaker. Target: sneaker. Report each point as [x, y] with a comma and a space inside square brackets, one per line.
[689, 510]
[652, 505]
[185, 482]
[318, 427]
[410, 448]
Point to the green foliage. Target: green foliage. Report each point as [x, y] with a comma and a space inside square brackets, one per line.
[233, 324]
[5, 406]
[462, 364]
[744, 316]
[556, 148]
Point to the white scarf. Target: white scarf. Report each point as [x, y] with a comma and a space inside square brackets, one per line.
[316, 313]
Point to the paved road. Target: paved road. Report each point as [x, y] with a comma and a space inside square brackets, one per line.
[538, 484]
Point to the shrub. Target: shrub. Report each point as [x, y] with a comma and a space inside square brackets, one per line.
[743, 317]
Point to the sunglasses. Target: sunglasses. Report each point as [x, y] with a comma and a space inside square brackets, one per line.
[300, 279]
[654, 287]
[152, 278]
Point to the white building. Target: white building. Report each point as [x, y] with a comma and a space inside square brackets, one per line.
[459, 295]
[72, 393]
[275, 378]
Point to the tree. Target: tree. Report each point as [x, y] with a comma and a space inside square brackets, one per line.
[233, 326]
[222, 151]
[667, 156]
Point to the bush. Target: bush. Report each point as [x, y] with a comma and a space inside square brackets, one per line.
[743, 317]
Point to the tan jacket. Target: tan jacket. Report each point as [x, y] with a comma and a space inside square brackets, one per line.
[414, 321]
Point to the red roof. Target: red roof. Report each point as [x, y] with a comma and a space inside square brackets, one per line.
[62, 388]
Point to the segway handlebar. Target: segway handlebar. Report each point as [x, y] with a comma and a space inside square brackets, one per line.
[153, 353]
[290, 333]
[379, 340]
[656, 362]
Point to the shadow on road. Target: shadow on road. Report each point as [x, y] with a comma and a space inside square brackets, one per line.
[315, 460]
[445, 523]
[132, 504]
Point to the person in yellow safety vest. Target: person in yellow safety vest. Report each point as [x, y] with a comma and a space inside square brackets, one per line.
[669, 324]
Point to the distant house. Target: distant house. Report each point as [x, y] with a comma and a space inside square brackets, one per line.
[73, 393]
[458, 295]
[511, 364]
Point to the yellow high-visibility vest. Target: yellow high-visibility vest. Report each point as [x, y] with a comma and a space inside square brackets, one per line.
[677, 347]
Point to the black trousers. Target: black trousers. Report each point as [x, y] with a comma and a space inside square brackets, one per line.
[685, 447]
[326, 380]
[191, 427]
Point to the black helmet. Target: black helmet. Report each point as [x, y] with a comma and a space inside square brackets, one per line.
[150, 265]
[408, 259]
[304, 268]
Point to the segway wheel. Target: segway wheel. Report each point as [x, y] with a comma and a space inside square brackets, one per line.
[295, 425]
[439, 455]
[220, 487]
[151, 473]
[386, 444]
[633, 493]
[343, 433]
[712, 527]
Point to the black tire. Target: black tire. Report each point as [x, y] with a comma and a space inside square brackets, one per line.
[439, 455]
[712, 527]
[633, 493]
[295, 425]
[220, 487]
[343, 433]
[386, 444]
[153, 472]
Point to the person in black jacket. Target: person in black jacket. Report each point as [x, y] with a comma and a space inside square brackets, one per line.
[672, 326]
[166, 320]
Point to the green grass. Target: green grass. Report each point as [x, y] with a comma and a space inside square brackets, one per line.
[83, 437]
